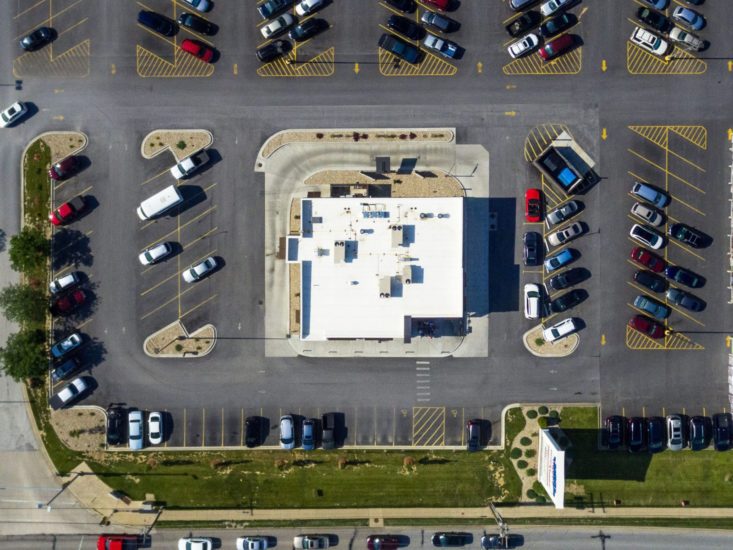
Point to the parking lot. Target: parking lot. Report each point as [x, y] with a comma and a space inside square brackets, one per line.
[634, 119]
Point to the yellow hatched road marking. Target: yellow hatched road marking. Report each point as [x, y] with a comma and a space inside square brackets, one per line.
[697, 135]
[532, 64]
[680, 62]
[674, 341]
[184, 65]
[320, 65]
[663, 169]
[431, 65]
[73, 63]
[428, 426]
[540, 137]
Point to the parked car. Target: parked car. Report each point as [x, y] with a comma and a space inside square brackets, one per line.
[533, 205]
[473, 435]
[442, 5]
[520, 5]
[115, 425]
[650, 280]
[155, 428]
[406, 6]
[274, 50]
[685, 299]
[400, 48]
[308, 29]
[553, 6]
[560, 330]
[560, 259]
[684, 276]
[698, 435]
[328, 424]
[277, 26]
[68, 394]
[649, 194]
[647, 326]
[688, 18]
[722, 431]
[615, 429]
[155, 253]
[686, 40]
[117, 542]
[309, 434]
[688, 235]
[655, 434]
[405, 27]
[198, 49]
[445, 539]
[65, 282]
[190, 164]
[563, 213]
[523, 23]
[657, 4]
[252, 543]
[64, 168]
[195, 543]
[252, 436]
[647, 214]
[568, 278]
[532, 251]
[200, 270]
[565, 235]
[12, 114]
[438, 21]
[652, 307]
[568, 300]
[287, 432]
[383, 542]
[157, 22]
[532, 301]
[648, 259]
[69, 302]
[556, 47]
[68, 211]
[523, 46]
[66, 346]
[272, 7]
[646, 236]
[675, 433]
[649, 41]
[653, 19]
[36, 39]
[557, 24]
[310, 542]
[444, 47]
[196, 23]
[64, 370]
[307, 7]
[199, 5]
[635, 434]
[135, 430]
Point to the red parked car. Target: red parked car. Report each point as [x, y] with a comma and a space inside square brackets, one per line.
[556, 47]
[442, 5]
[198, 49]
[68, 302]
[647, 259]
[63, 168]
[117, 542]
[533, 205]
[68, 211]
[646, 326]
[383, 542]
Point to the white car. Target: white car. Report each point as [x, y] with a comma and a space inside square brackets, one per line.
[565, 235]
[252, 543]
[523, 46]
[199, 271]
[648, 215]
[189, 165]
[287, 432]
[306, 7]
[135, 430]
[532, 297]
[69, 393]
[64, 283]
[195, 543]
[310, 542]
[675, 437]
[649, 41]
[559, 330]
[154, 254]
[554, 6]
[155, 428]
[12, 113]
[686, 39]
[199, 5]
[646, 237]
[278, 26]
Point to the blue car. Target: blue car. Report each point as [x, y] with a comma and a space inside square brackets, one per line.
[309, 435]
[272, 7]
[652, 307]
[657, 4]
[684, 276]
[559, 260]
[688, 18]
[649, 194]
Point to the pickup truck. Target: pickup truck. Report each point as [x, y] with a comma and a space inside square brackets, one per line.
[117, 542]
[70, 392]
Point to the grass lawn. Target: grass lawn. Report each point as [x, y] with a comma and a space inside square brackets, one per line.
[37, 184]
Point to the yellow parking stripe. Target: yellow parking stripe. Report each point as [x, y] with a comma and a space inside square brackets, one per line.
[184, 65]
[679, 62]
[194, 308]
[431, 65]
[662, 169]
[320, 65]
[540, 137]
[532, 64]
[73, 63]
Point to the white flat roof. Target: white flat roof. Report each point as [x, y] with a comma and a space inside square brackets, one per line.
[409, 250]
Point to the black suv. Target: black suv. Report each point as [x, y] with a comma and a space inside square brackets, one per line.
[444, 539]
[655, 434]
[568, 278]
[635, 434]
[328, 424]
[615, 431]
[404, 26]
[116, 419]
[532, 245]
[721, 431]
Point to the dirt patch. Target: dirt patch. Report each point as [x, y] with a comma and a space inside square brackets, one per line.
[80, 429]
[181, 143]
[536, 344]
[175, 341]
[63, 144]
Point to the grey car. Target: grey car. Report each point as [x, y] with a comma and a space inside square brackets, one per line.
[563, 213]
[675, 433]
[652, 307]
[685, 299]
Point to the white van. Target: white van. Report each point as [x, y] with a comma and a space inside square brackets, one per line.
[532, 299]
[159, 203]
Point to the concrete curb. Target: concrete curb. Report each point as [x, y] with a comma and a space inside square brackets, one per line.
[575, 336]
[177, 355]
[168, 147]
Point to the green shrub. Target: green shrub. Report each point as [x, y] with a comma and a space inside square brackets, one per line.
[542, 422]
[525, 441]
[531, 494]
[516, 452]
[529, 453]
[181, 144]
[540, 499]
[522, 464]
[532, 414]
[543, 409]
[531, 471]
[539, 342]
[554, 414]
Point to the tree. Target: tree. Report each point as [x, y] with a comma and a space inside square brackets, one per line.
[23, 355]
[23, 304]
[29, 250]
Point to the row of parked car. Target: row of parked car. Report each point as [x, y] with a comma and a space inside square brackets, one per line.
[649, 210]
[675, 432]
[677, 31]
[278, 22]
[167, 27]
[552, 20]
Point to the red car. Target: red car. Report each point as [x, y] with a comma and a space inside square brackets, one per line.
[63, 169]
[533, 205]
[68, 302]
[646, 326]
[68, 211]
[556, 47]
[647, 259]
[383, 542]
[442, 5]
[198, 49]
[117, 542]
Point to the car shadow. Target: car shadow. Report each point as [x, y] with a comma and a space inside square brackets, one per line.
[70, 247]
